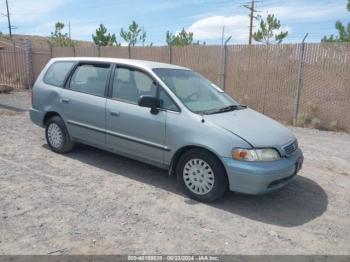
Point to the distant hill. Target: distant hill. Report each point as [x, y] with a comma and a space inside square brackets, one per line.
[37, 41]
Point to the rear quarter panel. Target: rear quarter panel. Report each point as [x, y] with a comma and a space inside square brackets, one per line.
[46, 98]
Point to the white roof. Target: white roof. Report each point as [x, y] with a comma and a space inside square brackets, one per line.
[133, 62]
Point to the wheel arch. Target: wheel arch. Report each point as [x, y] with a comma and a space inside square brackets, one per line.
[49, 115]
[184, 149]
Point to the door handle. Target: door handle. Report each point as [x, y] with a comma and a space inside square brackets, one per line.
[114, 113]
[65, 100]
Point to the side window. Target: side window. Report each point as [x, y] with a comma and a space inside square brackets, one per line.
[129, 85]
[90, 78]
[57, 72]
[166, 102]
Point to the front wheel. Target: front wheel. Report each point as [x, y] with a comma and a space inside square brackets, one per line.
[57, 136]
[202, 175]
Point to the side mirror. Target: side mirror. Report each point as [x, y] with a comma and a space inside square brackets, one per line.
[150, 102]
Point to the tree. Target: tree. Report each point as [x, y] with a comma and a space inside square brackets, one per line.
[343, 31]
[102, 38]
[344, 34]
[143, 36]
[132, 35]
[58, 38]
[269, 31]
[180, 39]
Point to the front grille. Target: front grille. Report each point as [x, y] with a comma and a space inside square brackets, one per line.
[290, 149]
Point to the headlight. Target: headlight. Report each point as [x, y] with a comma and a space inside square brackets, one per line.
[263, 154]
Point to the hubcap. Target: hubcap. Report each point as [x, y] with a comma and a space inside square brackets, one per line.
[198, 176]
[55, 135]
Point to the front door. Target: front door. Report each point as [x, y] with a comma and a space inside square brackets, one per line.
[84, 103]
[132, 130]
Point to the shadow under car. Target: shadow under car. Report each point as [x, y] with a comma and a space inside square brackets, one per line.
[299, 202]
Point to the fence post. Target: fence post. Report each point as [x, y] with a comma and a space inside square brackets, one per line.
[29, 62]
[73, 50]
[299, 82]
[129, 51]
[50, 51]
[223, 63]
[225, 66]
[220, 78]
[98, 50]
[170, 54]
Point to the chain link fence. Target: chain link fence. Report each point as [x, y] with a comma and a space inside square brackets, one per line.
[265, 78]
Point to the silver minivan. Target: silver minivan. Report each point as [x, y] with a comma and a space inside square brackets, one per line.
[168, 116]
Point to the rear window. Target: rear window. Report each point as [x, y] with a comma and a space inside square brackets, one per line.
[57, 72]
[90, 79]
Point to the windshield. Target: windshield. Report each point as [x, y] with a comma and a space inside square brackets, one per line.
[196, 92]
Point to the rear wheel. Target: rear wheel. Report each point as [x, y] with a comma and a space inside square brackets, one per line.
[57, 136]
[202, 175]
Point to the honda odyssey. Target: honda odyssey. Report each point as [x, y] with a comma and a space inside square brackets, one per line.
[168, 116]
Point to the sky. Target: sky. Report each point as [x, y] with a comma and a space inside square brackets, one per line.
[205, 18]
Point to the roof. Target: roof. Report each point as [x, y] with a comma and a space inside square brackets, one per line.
[132, 62]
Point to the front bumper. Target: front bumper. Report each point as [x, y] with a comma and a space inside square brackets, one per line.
[262, 177]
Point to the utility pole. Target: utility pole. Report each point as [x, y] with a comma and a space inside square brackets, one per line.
[251, 22]
[251, 7]
[8, 19]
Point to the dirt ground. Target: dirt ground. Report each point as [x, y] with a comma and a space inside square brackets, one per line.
[93, 202]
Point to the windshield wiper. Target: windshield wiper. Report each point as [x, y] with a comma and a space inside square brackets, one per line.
[224, 109]
[229, 108]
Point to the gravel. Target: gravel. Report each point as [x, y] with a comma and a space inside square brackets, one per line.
[94, 202]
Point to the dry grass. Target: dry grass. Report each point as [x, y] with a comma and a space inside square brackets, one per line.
[312, 119]
[40, 41]
[8, 113]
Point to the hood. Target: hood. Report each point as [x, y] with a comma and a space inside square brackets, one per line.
[257, 129]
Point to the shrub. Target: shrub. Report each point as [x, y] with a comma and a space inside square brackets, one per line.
[5, 89]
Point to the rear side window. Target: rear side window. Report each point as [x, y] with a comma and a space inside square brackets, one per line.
[57, 72]
[90, 79]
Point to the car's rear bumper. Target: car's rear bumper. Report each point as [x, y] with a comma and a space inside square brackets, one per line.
[37, 117]
[262, 177]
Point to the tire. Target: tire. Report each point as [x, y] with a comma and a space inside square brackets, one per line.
[57, 135]
[201, 175]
